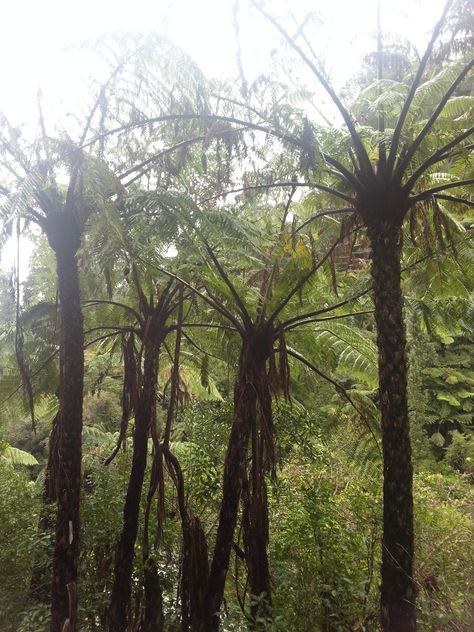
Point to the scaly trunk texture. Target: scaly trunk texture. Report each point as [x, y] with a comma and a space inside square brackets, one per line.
[121, 590]
[398, 593]
[255, 530]
[64, 237]
[251, 375]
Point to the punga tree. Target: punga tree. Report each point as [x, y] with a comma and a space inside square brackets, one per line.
[388, 183]
[150, 327]
[252, 311]
[62, 212]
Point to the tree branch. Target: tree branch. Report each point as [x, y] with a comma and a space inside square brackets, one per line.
[327, 213]
[442, 187]
[405, 161]
[415, 83]
[339, 389]
[97, 301]
[358, 145]
[274, 185]
[441, 154]
[319, 320]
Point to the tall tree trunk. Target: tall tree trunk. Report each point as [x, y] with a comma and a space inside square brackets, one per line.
[64, 237]
[195, 565]
[250, 375]
[255, 531]
[121, 589]
[153, 617]
[398, 593]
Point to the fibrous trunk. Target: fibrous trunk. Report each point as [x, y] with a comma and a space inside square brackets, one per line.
[121, 590]
[195, 568]
[250, 376]
[398, 590]
[65, 239]
[153, 618]
[255, 530]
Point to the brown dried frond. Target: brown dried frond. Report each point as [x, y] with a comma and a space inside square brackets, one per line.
[284, 367]
[332, 267]
[130, 391]
[267, 428]
[443, 223]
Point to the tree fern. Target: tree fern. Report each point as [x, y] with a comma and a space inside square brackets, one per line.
[15, 456]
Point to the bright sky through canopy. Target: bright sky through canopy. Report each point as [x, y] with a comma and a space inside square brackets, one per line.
[35, 33]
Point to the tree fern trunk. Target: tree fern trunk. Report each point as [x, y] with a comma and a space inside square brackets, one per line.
[153, 618]
[398, 593]
[245, 408]
[122, 589]
[64, 238]
[255, 529]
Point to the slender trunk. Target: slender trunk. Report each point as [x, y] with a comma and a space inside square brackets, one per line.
[398, 591]
[195, 573]
[65, 240]
[40, 582]
[153, 617]
[122, 589]
[251, 372]
[195, 565]
[255, 530]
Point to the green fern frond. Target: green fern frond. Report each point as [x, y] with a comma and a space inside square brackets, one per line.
[15, 456]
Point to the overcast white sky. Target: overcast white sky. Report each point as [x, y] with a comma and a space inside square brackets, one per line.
[34, 34]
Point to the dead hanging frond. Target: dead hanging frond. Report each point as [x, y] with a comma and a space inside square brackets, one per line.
[240, 557]
[272, 375]
[284, 367]
[156, 484]
[20, 339]
[130, 389]
[198, 571]
[353, 242]
[428, 222]
[255, 528]
[204, 372]
[308, 143]
[294, 231]
[175, 375]
[314, 255]
[425, 227]
[279, 377]
[108, 282]
[348, 223]
[265, 280]
[442, 228]
[195, 566]
[143, 303]
[267, 429]
[332, 268]
[412, 225]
